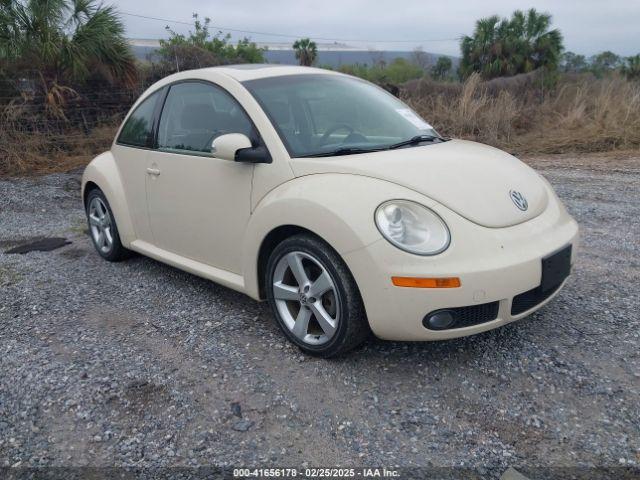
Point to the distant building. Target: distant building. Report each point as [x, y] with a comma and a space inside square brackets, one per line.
[329, 54]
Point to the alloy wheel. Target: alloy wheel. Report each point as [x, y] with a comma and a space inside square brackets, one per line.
[101, 225]
[306, 298]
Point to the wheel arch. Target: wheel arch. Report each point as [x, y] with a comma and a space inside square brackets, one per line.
[102, 173]
[86, 190]
[337, 208]
[269, 243]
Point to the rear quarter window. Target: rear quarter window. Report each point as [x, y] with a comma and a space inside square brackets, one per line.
[138, 129]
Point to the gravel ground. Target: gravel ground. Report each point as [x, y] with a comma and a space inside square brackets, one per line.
[139, 364]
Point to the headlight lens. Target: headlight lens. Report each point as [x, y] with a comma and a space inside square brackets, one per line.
[412, 227]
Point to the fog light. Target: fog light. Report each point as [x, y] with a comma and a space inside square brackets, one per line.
[439, 320]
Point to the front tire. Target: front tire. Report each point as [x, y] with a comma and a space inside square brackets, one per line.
[314, 297]
[103, 229]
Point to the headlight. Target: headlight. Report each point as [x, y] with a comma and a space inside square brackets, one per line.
[412, 227]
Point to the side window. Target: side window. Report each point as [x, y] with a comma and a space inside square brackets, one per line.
[138, 130]
[194, 114]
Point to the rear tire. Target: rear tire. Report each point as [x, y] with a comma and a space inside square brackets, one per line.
[314, 297]
[103, 229]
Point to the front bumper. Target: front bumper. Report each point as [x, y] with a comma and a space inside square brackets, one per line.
[493, 264]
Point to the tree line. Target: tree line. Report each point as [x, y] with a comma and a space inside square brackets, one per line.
[61, 45]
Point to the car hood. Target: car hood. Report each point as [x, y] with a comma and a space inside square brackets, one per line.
[472, 179]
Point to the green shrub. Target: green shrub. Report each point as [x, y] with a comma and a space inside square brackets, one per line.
[201, 49]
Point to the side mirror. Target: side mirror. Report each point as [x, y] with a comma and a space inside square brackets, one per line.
[258, 154]
[226, 146]
[237, 147]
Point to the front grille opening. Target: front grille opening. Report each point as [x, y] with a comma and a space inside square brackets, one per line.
[467, 316]
[529, 299]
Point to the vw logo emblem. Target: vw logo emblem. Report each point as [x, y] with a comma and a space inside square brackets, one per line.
[518, 200]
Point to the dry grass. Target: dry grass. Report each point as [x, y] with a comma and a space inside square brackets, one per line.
[582, 114]
[60, 131]
[579, 115]
[29, 153]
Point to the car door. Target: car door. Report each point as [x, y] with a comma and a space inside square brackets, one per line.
[130, 152]
[199, 205]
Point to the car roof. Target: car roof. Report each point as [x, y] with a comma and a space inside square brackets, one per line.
[253, 71]
[238, 73]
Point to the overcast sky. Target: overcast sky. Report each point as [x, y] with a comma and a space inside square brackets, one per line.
[588, 26]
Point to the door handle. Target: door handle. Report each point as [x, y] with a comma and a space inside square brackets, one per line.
[153, 171]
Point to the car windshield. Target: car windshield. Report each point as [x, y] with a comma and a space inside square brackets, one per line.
[328, 114]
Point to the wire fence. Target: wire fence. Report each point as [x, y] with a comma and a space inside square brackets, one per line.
[41, 131]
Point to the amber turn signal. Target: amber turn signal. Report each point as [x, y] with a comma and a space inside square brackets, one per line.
[416, 282]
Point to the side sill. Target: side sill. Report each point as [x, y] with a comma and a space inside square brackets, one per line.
[223, 277]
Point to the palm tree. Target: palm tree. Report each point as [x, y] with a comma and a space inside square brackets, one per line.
[64, 42]
[306, 51]
[503, 47]
[477, 51]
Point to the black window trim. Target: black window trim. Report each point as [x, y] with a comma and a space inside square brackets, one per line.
[156, 116]
[152, 142]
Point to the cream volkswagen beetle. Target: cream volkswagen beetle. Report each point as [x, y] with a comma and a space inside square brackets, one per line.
[334, 201]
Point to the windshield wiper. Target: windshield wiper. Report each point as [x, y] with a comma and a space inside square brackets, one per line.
[344, 151]
[415, 140]
[354, 150]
